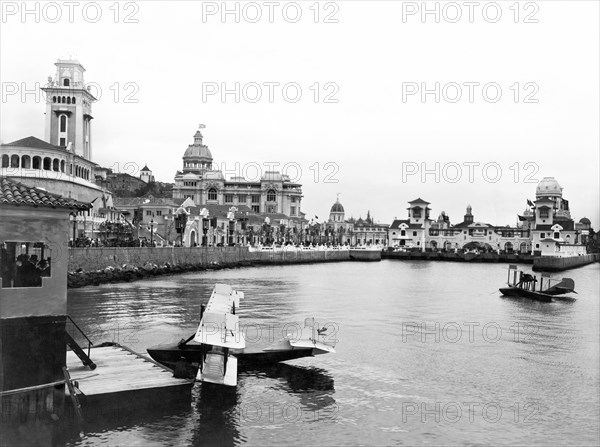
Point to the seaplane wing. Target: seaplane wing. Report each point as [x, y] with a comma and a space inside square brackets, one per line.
[312, 337]
[220, 329]
[314, 344]
[219, 325]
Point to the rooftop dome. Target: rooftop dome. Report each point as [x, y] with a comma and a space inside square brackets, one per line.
[548, 187]
[585, 221]
[198, 150]
[337, 207]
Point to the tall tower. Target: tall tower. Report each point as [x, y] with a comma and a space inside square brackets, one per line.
[146, 174]
[69, 109]
[469, 215]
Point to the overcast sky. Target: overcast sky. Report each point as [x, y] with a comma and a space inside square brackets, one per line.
[361, 127]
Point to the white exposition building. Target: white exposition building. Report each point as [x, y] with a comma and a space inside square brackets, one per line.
[62, 162]
[273, 194]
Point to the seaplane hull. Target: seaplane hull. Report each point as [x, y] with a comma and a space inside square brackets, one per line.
[248, 358]
[521, 293]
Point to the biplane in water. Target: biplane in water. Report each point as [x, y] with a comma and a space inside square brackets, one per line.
[524, 285]
[218, 348]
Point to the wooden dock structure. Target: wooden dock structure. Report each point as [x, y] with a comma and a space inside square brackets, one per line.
[123, 378]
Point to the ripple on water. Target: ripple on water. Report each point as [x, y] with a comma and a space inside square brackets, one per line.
[359, 396]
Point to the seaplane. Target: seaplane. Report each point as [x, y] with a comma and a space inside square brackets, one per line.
[524, 285]
[218, 349]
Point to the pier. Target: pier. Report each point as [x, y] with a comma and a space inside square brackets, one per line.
[121, 378]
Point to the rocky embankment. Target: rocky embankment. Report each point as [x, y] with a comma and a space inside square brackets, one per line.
[128, 273]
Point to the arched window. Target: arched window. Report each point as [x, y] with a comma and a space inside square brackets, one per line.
[508, 247]
[63, 123]
[212, 194]
[62, 166]
[73, 100]
[64, 100]
[37, 162]
[271, 196]
[54, 99]
[14, 161]
[66, 82]
[5, 161]
[55, 164]
[26, 162]
[47, 163]
[68, 100]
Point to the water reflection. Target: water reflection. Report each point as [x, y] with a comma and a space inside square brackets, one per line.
[356, 396]
[215, 421]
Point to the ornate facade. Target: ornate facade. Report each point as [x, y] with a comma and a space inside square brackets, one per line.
[545, 227]
[63, 164]
[273, 194]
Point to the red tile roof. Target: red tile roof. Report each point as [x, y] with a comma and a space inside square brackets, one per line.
[17, 194]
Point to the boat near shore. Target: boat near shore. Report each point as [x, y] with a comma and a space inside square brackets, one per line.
[524, 285]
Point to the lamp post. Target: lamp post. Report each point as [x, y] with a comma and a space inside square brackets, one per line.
[180, 218]
[204, 214]
[74, 219]
[231, 217]
[151, 233]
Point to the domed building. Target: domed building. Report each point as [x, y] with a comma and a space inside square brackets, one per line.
[549, 189]
[338, 230]
[552, 228]
[583, 228]
[197, 157]
[337, 212]
[271, 195]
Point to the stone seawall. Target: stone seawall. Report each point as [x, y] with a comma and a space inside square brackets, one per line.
[459, 257]
[114, 264]
[552, 264]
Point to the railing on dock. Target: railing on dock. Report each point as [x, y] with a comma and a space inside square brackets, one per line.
[85, 358]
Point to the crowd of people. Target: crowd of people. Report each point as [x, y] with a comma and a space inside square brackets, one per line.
[24, 270]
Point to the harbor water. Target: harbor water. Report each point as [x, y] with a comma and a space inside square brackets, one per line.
[428, 353]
